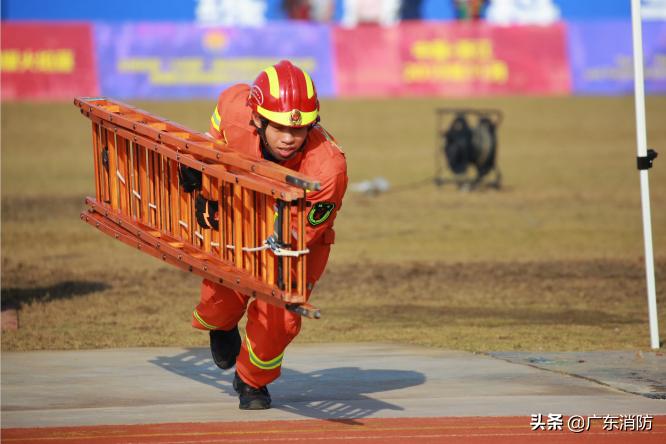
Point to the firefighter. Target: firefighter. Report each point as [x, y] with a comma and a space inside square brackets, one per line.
[276, 118]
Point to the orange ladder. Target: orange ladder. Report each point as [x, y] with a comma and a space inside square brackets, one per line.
[259, 246]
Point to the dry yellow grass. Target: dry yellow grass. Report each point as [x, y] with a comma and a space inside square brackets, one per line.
[553, 261]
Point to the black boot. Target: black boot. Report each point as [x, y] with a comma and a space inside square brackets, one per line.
[225, 346]
[251, 398]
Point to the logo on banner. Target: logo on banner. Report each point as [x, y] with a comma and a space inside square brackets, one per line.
[215, 40]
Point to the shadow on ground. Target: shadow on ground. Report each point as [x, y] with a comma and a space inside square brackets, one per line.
[321, 394]
[15, 298]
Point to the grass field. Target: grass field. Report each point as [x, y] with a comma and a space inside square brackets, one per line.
[552, 261]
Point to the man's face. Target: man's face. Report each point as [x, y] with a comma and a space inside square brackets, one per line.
[283, 141]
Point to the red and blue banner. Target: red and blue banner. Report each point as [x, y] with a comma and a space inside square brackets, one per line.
[181, 60]
[451, 59]
[47, 61]
[601, 57]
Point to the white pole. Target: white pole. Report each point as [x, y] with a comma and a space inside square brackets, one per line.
[641, 139]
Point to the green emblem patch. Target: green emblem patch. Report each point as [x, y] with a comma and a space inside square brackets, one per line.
[320, 213]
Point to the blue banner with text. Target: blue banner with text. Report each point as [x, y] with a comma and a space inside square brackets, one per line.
[182, 60]
[601, 57]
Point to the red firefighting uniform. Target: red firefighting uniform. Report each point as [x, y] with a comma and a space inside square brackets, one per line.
[270, 329]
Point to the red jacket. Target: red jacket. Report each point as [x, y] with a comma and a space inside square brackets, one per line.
[320, 159]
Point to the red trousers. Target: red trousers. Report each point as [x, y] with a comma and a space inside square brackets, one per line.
[269, 329]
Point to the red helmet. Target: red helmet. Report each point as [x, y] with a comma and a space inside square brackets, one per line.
[285, 94]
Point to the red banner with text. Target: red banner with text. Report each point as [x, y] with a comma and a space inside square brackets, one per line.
[47, 61]
[451, 59]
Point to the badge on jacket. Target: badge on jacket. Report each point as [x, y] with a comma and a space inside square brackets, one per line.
[320, 213]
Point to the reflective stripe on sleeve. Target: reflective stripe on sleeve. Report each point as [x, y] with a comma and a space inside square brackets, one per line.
[215, 119]
[264, 365]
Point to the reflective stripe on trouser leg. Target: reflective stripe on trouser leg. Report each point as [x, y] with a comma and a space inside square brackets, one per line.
[219, 308]
[269, 330]
[197, 318]
[257, 362]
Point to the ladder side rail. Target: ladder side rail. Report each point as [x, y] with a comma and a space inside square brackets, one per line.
[188, 140]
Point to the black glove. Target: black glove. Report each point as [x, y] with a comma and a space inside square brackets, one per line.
[190, 179]
[206, 212]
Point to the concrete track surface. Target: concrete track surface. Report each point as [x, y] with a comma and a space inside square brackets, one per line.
[332, 393]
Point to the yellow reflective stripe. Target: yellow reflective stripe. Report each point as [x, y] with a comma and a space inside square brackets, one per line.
[284, 118]
[202, 322]
[308, 84]
[215, 125]
[264, 365]
[273, 82]
[215, 119]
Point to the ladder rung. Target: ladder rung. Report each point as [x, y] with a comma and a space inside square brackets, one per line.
[177, 244]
